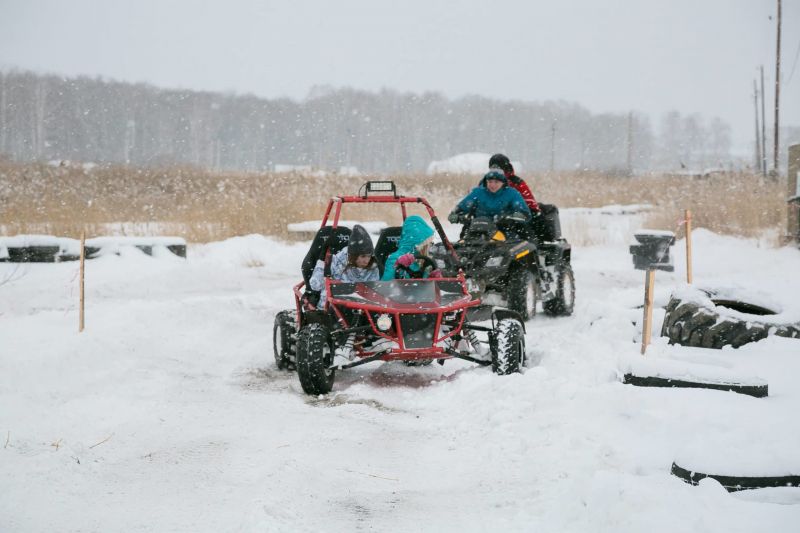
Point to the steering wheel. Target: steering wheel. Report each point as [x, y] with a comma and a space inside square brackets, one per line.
[427, 263]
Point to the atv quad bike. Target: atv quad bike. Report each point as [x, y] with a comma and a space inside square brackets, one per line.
[511, 264]
[412, 320]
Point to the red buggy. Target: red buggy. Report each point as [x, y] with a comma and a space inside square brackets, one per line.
[412, 320]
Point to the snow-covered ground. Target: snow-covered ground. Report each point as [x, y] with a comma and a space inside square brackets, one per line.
[468, 163]
[168, 414]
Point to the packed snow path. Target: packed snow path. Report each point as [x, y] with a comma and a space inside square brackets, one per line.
[168, 413]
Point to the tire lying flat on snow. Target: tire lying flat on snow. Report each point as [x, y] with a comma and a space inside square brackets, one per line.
[706, 319]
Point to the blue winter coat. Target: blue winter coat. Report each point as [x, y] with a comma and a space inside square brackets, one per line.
[481, 202]
[340, 272]
[415, 232]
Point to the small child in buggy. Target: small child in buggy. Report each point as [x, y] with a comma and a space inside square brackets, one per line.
[356, 262]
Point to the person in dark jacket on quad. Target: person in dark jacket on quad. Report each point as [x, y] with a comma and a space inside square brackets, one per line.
[502, 162]
[492, 198]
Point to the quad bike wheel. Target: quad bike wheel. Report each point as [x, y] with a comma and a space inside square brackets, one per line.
[564, 302]
[508, 347]
[282, 341]
[314, 358]
[522, 292]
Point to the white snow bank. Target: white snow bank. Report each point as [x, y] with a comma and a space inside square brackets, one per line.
[468, 163]
[611, 210]
[685, 371]
[255, 251]
[21, 241]
[114, 244]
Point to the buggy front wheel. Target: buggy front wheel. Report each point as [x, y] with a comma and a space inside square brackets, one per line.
[314, 359]
[508, 347]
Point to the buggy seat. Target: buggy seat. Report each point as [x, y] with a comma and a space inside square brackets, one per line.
[326, 238]
[388, 241]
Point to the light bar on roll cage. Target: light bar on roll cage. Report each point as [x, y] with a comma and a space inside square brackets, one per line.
[378, 187]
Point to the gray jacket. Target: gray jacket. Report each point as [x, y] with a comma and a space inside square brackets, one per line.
[340, 272]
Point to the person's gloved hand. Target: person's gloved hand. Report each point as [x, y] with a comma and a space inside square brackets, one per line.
[454, 217]
[405, 260]
[435, 274]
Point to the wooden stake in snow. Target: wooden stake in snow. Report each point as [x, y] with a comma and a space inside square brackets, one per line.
[688, 219]
[83, 257]
[647, 321]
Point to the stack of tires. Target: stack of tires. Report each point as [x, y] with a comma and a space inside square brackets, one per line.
[716, 318]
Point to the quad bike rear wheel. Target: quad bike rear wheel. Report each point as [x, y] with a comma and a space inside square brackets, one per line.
[283, 342]
[564, 301]
[314, 358]
[508, 347]
[522, 292]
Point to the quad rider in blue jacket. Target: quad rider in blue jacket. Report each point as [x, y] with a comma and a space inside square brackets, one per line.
[492, 198]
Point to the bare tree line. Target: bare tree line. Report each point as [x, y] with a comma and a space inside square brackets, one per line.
[44, 117]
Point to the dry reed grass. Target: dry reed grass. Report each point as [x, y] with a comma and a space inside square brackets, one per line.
[203, 205]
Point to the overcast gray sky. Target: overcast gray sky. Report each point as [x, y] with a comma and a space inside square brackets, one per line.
[608, 55]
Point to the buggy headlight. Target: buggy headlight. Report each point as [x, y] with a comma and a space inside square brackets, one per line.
[494, 261]
[384, 322]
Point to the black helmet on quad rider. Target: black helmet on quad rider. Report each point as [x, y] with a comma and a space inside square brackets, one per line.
[502, 162]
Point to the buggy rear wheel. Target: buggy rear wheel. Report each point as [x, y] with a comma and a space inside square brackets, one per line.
[314, 359]
[508, 347]
[564, 301]
[522, 292]
[282, 341]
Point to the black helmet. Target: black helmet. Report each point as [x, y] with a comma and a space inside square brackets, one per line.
[502, 162]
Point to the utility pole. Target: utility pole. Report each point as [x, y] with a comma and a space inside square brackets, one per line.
[777, 90]
[758, 134]
[763, 161]
[553, 146]
[629, 159]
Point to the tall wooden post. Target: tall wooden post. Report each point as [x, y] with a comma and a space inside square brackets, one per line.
[647, 321]
[776, 144]
[763, 162]
[83, 257]
[757, 164]
[688, 246]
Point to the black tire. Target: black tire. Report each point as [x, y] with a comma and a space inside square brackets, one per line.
[507, 344]
[284, 336]
[314, 357]
[522, 292]
[700, 322]
[564, 302]
[736, 483]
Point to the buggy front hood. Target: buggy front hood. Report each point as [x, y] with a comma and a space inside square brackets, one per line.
[402, 295]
